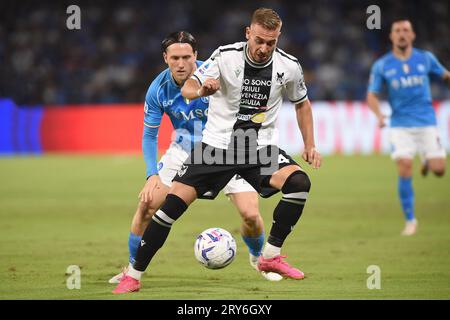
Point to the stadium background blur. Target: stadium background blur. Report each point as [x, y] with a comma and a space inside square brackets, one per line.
[116, 54]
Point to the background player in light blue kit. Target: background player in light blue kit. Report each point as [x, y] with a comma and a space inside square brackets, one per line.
[405, 72]
[188, 119]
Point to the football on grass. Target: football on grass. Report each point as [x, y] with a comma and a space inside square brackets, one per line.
[215, 248]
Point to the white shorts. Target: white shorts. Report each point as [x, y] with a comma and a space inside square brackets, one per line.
[171, 162]
[407, 142]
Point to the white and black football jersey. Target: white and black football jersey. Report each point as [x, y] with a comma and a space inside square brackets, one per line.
[250, 94]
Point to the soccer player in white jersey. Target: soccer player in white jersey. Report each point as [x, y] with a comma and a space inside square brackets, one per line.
[245, 82]
[405, 72]
[188, 119]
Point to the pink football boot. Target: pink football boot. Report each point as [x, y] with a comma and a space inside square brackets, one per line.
[279, 266]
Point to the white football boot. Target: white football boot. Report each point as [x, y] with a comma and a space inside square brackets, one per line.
[118, 277]
[410, 228]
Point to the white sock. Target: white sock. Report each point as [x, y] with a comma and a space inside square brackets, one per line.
[253, 258]
[132, 272]
[130, 265]
[270, 251]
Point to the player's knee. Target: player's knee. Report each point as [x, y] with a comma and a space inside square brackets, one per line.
[437, 166]
[248, 208]
[298, 181]
[405, 167]
[440, 172]
[250, 217]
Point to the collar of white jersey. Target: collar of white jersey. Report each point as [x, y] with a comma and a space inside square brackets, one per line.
[253, 63]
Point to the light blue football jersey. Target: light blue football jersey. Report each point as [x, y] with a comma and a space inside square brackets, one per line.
[188, 117]
[408, 86]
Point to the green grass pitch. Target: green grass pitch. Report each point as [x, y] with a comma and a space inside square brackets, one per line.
[57, 211]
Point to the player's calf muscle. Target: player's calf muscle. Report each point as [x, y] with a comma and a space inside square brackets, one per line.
[405, 167]
[247, 204]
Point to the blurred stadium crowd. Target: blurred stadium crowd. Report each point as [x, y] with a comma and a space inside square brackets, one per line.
[116, 54]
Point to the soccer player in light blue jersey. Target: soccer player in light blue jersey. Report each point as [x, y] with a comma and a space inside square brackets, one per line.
[405, 72]
[188, 119]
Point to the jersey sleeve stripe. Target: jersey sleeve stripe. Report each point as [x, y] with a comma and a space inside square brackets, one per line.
[283, 54]
[150, 125]
[159, 89]
[301, 99]
[196, 78]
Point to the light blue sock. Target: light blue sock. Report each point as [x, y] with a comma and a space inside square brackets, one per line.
[133, 245]
[254, 245]
[406, 194]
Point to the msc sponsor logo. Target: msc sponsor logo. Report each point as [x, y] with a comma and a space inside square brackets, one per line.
[408, 82]
[190, 114]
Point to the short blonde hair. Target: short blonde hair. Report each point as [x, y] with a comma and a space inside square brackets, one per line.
[267, 18]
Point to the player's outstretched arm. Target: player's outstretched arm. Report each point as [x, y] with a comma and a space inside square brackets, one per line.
[150, 151]
[374, 104]
[192, 89]
[306, 125]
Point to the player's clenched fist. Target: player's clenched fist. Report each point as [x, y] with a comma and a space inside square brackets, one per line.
[209, 87]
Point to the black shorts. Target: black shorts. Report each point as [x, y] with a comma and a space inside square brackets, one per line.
[209, 177]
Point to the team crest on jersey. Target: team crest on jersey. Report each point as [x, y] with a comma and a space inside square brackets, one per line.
[205, 99]
[182, 171]
[280, 77]
[421, 67]
[405, 68]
